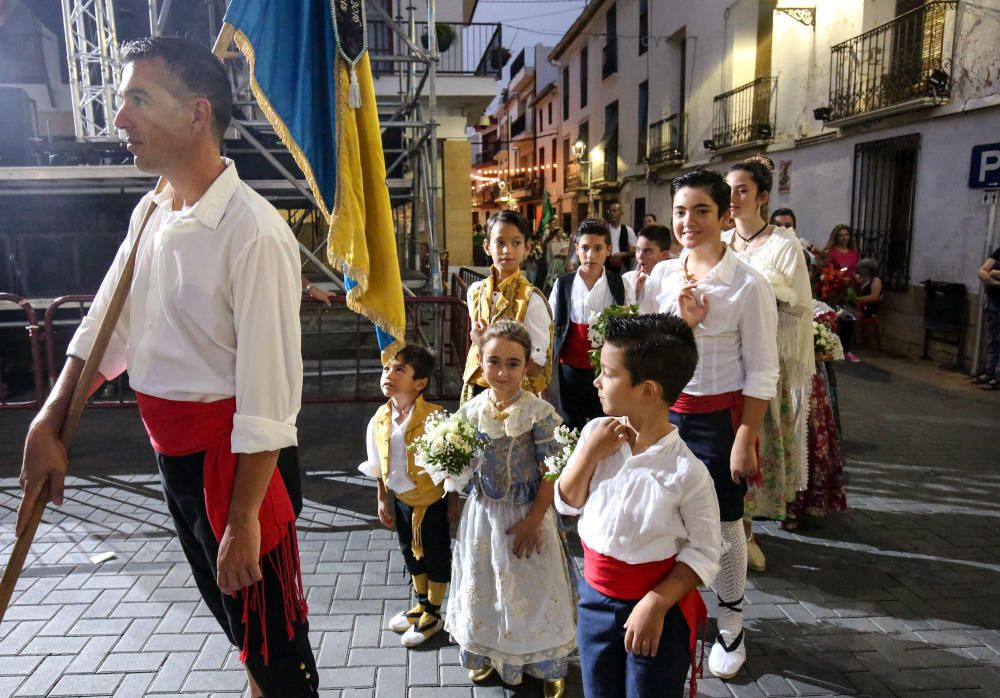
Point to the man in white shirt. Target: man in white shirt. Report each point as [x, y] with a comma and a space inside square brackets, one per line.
[734, 315]
[211, 340]
[622, 253]
[574, 299]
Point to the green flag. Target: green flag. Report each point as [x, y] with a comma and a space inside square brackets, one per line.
[548, 212]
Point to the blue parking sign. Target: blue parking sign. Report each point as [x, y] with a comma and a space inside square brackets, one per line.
[984, 170]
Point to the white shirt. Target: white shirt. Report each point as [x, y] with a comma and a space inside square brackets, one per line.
[651, 506]
[213, 310]
[584, 302]
[398, 479]
[537, 321]
[737, 340]
[616, 235]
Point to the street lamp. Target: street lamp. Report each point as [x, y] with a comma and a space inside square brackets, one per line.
[580, 151]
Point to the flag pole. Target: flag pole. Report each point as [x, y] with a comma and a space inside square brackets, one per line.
[71, 422]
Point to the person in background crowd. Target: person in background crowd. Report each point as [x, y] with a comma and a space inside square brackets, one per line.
[841, 251]
[989, 274]
[648, 219]
[574, 299]
[622, 254]
[651, 248]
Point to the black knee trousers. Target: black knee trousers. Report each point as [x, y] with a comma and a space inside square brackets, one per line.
[291, 668]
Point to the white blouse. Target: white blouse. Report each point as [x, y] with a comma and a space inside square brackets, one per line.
[781, 261]
[399, 478]
[737, 345]
[213, 311]
[651, 506]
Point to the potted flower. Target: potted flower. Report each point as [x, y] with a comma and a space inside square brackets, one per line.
[445, 36]
[499, 55]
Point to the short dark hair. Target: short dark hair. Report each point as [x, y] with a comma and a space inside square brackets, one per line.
[420, 359]
[511, 217]
[594, 226]
[651, 215]
[656, 233]
[196, 68]
[785, 212]
[711, 182]
[658, 347]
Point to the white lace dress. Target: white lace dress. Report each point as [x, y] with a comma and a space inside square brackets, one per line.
[514, 613]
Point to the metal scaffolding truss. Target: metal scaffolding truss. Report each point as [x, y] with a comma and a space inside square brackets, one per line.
[408, 121]
[92, 54]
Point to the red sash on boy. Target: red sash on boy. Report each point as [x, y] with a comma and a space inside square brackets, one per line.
[178, 428]
[706, 404]
[626, 582]
[575, 347]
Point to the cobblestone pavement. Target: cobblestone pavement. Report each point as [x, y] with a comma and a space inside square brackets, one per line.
[900, 596]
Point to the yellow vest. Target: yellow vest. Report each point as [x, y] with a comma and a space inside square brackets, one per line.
[515, 294]
[425, 491]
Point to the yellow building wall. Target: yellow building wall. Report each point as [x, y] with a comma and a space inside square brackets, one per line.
[456, 206]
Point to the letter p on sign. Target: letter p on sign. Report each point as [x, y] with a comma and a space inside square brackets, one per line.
[984, 170]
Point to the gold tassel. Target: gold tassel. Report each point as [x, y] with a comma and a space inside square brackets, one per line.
[417, 542]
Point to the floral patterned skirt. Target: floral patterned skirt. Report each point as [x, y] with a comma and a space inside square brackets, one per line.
[516, 614]
[777, 458]
[825, 493]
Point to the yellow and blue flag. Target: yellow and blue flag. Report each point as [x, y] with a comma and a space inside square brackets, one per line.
[306, 72]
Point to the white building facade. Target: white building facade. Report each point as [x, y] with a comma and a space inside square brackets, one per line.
[905, 89]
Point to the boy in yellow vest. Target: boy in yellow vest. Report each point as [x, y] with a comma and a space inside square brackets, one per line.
[420, 511]
[507, 295]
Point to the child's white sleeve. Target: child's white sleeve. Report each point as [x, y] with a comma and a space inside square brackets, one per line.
[538, 322]
[373, 466]
[699, 509]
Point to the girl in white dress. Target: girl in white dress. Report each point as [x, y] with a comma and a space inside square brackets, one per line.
[511, 607]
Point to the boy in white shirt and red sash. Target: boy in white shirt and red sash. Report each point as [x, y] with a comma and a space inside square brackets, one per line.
[649, 518]
[733, 312]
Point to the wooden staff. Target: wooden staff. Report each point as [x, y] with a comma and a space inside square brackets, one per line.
[71, 421]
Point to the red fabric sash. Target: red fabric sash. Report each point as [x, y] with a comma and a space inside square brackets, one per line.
[575, 346]
[705, 404]
[178, 428]
[626, 582]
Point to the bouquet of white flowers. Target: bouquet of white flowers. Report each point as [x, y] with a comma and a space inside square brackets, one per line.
[599, 325]
[824, 340]
[448, 449]
[568, 438]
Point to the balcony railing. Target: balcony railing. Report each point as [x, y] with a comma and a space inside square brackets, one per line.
[516, 65]
[475, 50]
[518, 125]
[524, 183]
[745, 115]
[666, 140]
[487, 153]
[900, 61]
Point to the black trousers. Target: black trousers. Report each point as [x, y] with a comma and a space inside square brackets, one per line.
[578, 396]
[710, 436]
[291, 667]
[436, 535]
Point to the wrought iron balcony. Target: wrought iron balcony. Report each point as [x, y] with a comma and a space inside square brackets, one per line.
[526, 184]
[605, 173]
[476, 49]
[744, 116]
[666, 141]
[516, 65]
[487, 153]
[518, 125]
[901, 62]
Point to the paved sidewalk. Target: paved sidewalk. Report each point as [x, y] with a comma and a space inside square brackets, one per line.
[900, 596]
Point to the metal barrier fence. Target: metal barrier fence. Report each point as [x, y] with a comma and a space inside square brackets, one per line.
[22, 383]
[341, 360]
